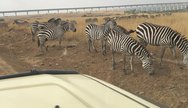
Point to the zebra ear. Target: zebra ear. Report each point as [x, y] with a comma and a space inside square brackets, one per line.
[114, 18]
[51, 20]
[57, 21]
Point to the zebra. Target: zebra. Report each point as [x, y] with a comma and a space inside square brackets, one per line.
[163, 36]
[56, 32]
[121, 42]
[36, 26]
[96, 32]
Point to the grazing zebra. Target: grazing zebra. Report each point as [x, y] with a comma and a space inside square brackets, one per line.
[121, 42]
[56, 32]
[96, 32]
[163, 36]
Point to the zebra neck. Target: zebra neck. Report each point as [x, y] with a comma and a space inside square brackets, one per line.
[181, 43]
[106, 30]
[141, 53]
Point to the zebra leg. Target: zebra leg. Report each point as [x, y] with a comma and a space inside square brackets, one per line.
[162, 54]
[173, 51]
[92, 42]
[103, 46]
[60, 39]
[33, 35]
[41, 43]
[89, 45]
[113, 60]
[131, 63]
[41, 48]
[46, 48]
[124, 62]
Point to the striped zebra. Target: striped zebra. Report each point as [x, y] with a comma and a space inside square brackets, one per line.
[121, 42]
[163, 36]
[56, 32]
[36, 26]
[96, 32]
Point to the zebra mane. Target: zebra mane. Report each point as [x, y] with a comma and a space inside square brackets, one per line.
[184, 38]
[181, 36]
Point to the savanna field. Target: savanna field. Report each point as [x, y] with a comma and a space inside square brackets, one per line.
[168, 86]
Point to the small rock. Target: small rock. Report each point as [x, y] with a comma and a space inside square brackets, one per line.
[35, 65]
[65, 51]
[57, 64]
[140, 93]
[41, 64]
[172, 105]
[183, 100]
[50, 64]
[54, 45]
[172, 86]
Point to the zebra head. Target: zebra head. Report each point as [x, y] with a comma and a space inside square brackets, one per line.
[57, 21]
[68, 26]
[72, 26]
[110, 23]
[147, 64]
[51, 20]
[42, 26]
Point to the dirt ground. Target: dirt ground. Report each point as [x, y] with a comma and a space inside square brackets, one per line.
[168, 86]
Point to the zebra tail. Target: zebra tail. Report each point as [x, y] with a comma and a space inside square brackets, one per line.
[38, 42]
[132, 31]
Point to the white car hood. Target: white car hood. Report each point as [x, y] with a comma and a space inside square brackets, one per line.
[65, 91]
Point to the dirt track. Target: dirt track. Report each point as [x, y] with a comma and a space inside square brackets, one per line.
[168, 86]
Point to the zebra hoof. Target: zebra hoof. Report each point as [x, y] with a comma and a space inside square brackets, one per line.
[151, 73]
[59, 48]
[125, 72]
[113, 68]
[183, 67]
[40, 54]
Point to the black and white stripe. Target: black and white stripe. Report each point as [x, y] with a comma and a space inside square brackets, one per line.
[120, 42]
[55, 32]
[96, 32]
[163, 36]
